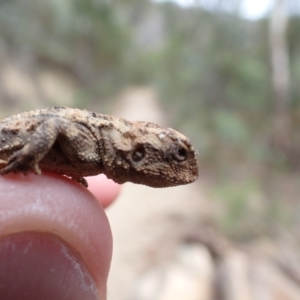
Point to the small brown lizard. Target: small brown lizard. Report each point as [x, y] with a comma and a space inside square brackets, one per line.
[79, 143]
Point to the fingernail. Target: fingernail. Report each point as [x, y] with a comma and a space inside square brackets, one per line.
[42, 266]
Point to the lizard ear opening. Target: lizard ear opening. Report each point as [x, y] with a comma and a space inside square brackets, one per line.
[138, 154]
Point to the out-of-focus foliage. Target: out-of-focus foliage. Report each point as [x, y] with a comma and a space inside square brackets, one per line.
[82, 36]
[211, 68]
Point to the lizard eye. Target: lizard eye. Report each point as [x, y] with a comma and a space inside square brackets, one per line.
[138, 154]
[180, 154]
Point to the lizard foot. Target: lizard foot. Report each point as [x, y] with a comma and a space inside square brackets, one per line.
[81, 180]
[20, 162]
[3, 163]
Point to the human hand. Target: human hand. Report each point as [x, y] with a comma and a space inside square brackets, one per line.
[55, 239]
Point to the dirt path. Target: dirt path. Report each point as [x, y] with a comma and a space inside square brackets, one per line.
[139, 219]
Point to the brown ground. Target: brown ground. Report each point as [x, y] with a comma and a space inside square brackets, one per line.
[140, 218]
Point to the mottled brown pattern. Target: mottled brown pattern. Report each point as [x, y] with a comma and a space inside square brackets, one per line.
[80, 143]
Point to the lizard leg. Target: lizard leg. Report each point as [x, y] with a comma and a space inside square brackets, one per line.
[41, 141]
[81, 180]
[3, 163]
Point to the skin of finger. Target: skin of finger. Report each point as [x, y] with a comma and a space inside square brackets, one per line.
[104, 189]
[53, 204]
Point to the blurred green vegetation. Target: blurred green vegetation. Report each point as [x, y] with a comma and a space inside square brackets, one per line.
[211, 69]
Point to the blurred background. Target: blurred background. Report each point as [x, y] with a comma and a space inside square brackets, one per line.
[224, 72]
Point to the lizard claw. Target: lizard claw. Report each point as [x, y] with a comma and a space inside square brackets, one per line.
[19, 163]
[81, 180]
[36, 169]
[3, 163]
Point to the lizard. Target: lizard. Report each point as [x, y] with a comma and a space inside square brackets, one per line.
[79, 143]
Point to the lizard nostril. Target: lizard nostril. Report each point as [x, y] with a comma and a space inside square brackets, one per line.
[180, 154]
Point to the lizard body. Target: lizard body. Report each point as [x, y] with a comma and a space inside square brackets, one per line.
[79, 143]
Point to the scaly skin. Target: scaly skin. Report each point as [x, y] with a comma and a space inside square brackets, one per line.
[80, 143]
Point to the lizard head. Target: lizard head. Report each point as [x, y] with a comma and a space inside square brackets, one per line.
[150, 155]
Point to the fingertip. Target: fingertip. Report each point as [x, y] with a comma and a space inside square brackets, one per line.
[57, 206]
[105, 190]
